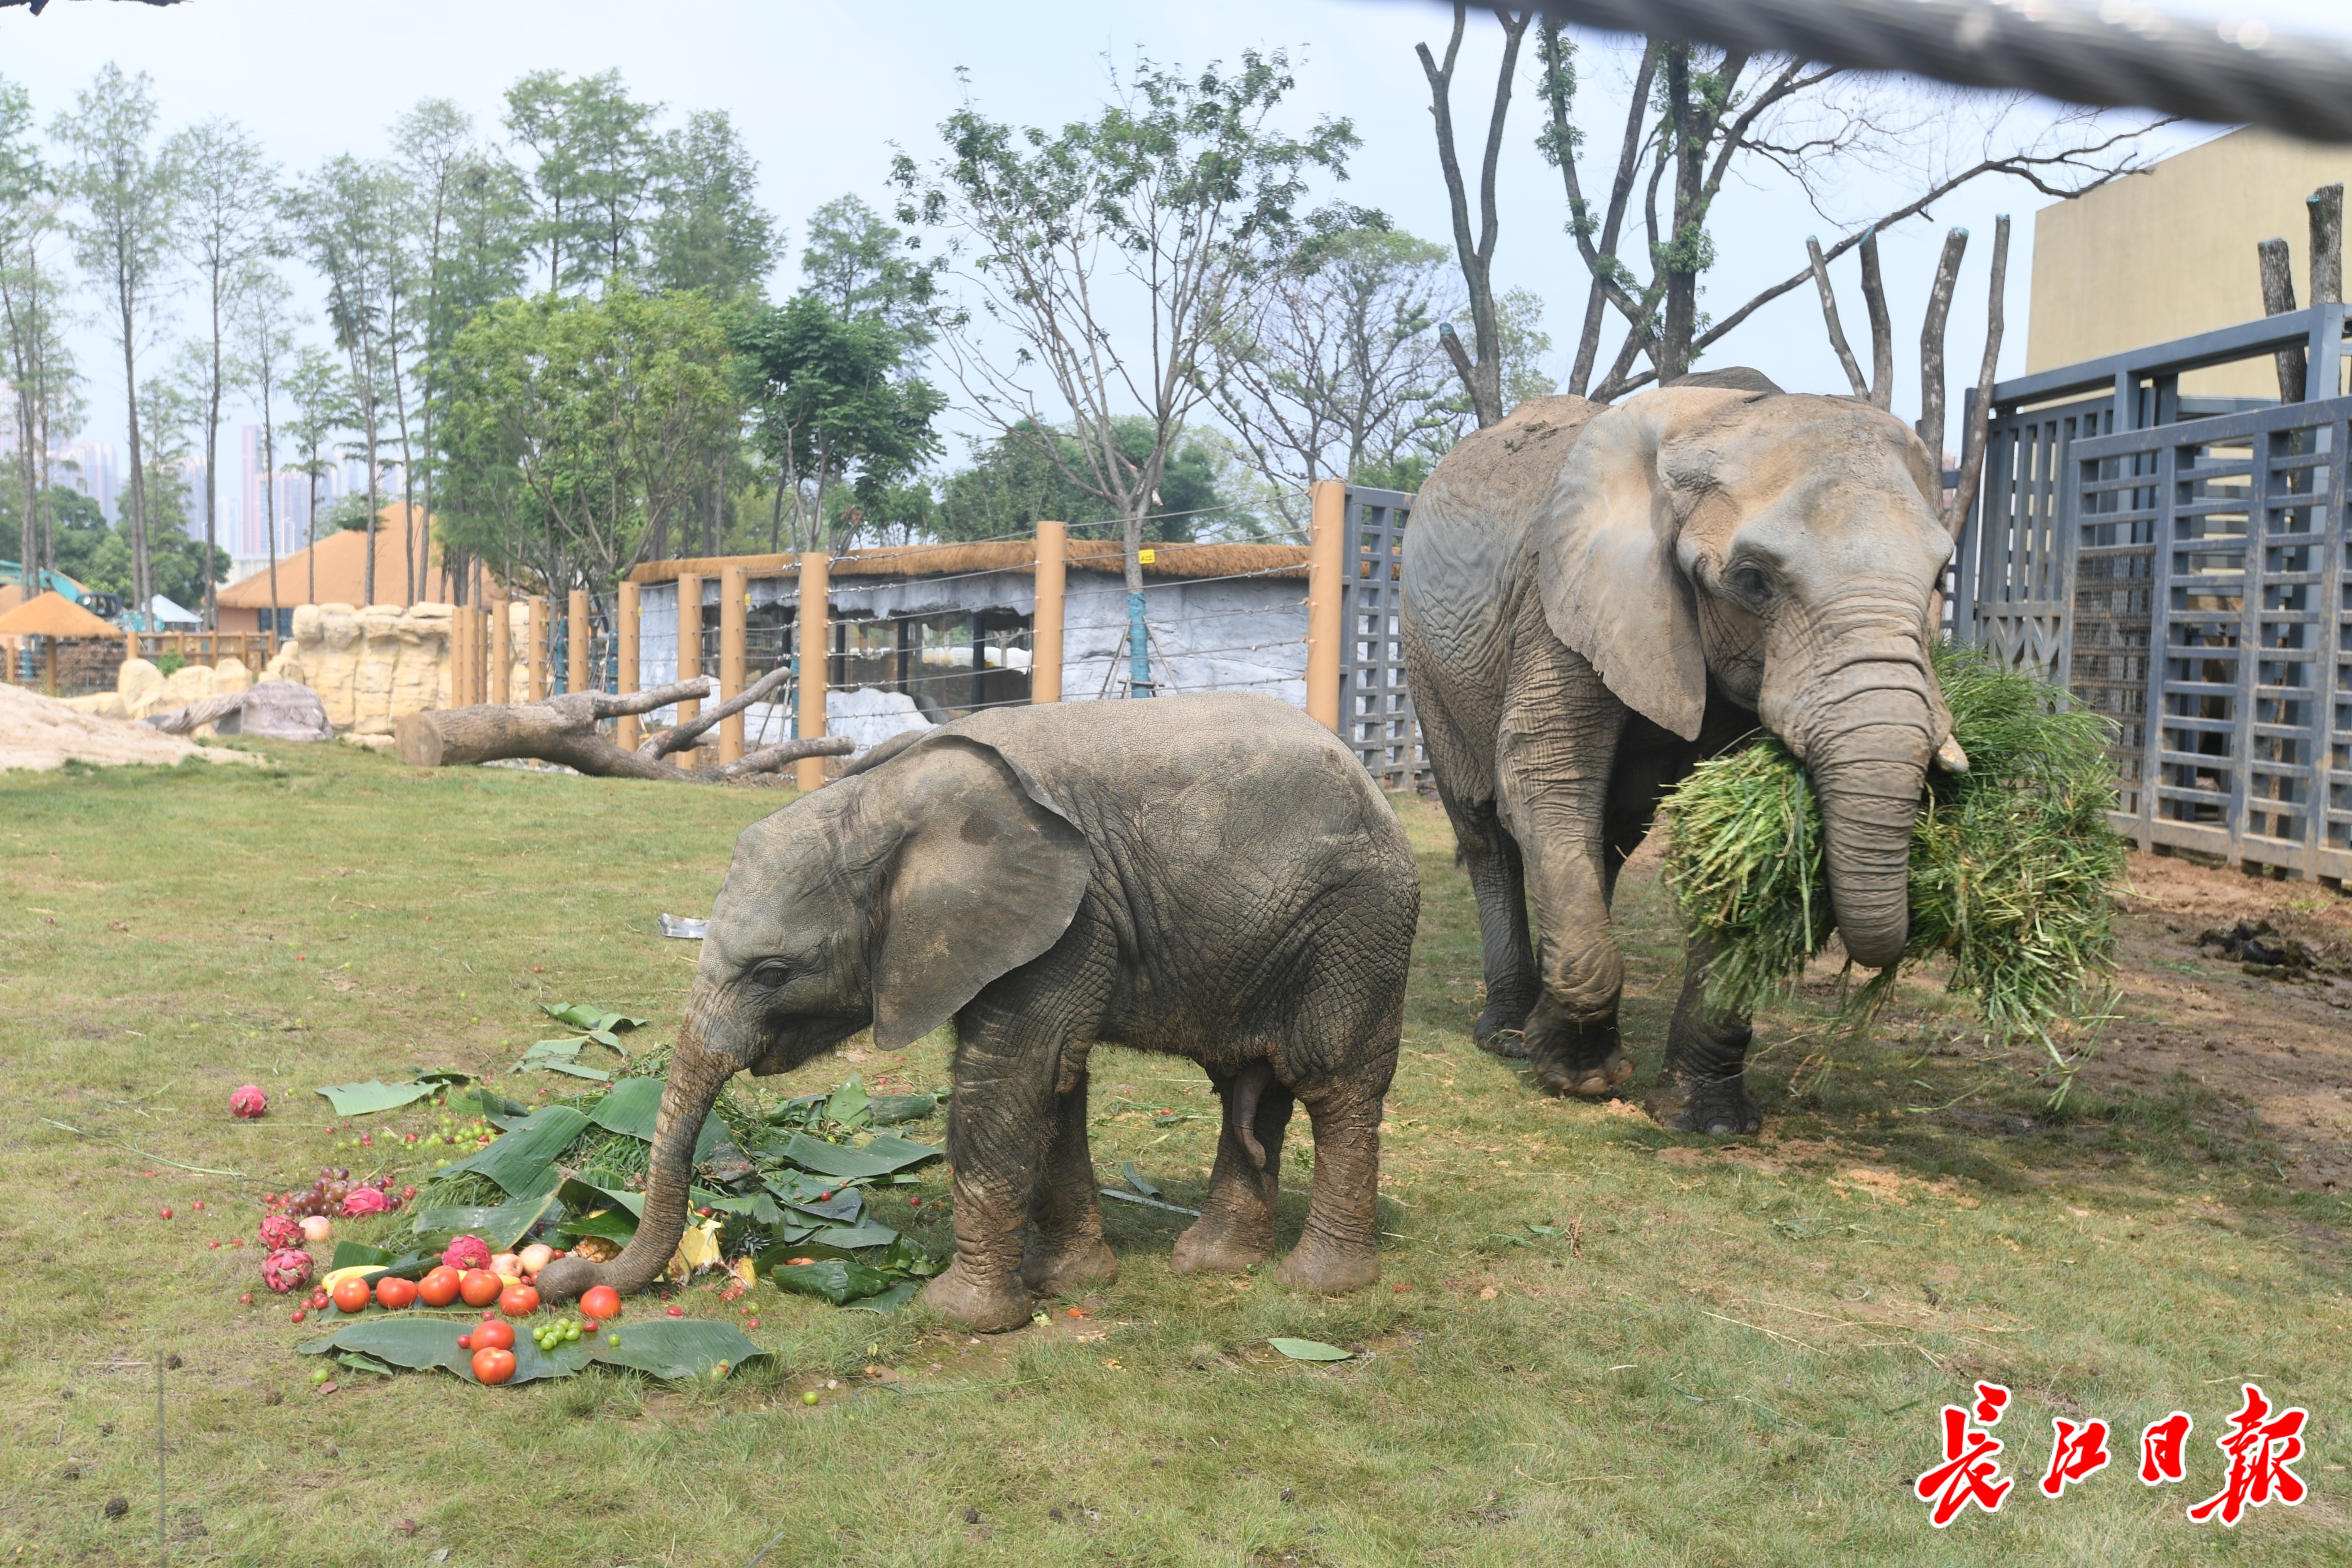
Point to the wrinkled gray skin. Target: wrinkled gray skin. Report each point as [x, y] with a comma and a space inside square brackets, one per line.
[1597, 599]
[1213, 876]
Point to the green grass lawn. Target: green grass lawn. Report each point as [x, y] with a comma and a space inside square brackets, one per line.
[1594, 1341]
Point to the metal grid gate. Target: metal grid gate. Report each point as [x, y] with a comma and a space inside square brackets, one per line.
[2249, 629]
[1375, 706]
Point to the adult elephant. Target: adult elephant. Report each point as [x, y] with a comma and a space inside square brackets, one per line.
[1595, 599]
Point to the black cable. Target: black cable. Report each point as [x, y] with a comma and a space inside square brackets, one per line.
[2233, 72]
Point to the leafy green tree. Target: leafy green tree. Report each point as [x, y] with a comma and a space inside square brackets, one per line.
[319, 389]
[172, 412]
[263, 332]
[593, 167]
[127, 197]
[228, 209]
[584, 428]
[349, 216]
[1012, 486]
[463, 234]
[865, 268]
[708, 232]
[33, 357]
[1106, 253]
[831, 406]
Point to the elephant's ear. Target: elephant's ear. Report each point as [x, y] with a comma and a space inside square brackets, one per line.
[1604, 543]
[987, 875]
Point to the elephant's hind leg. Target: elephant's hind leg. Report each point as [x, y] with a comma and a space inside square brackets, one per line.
[1498, 880]
[1703, 1085]
[1068, 1250]
[1340, 1248]
[1236, 1225]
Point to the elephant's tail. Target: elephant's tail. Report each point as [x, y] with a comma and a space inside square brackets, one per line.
[1241, 1113]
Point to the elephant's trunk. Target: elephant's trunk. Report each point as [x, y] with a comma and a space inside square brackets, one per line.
[1869, 765]
[696, 1077]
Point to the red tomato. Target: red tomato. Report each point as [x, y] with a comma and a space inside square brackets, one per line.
[395, 1294]
[492, 1336]
[351, 1296]
[439, 1287]
[518, 1302]
[480, 1287]
[601, 1302]
[494, 1365]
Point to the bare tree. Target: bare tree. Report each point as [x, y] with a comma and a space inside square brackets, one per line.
[128, 196]
[228, 210]
[1481, 365]
[1699, 116]
[1168, 209]
[1334, 369]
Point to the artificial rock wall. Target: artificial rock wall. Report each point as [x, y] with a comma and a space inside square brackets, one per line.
[369, 667]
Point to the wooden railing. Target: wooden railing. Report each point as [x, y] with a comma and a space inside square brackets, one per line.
[253, 649]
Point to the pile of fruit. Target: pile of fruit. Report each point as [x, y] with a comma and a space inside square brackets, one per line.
[336, 1195]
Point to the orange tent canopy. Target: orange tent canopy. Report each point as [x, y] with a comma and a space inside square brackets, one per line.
[54, 616]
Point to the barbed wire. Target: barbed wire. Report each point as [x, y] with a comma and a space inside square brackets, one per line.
[2120, 54]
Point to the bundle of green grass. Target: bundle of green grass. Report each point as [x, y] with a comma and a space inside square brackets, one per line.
[2013, 867]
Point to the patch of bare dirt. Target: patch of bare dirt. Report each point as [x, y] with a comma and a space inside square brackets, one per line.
[2282, 1045]
[40, 732]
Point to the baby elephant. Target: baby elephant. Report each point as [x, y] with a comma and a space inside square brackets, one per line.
[1212, 877]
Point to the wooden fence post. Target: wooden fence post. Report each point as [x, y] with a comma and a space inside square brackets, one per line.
[461, 657]
[732, 594]
[1045, 621]
[689, 640]
[501, 688]
[579, 642]
[535, 648]
[1327, 598]
[815, 658]
[624, 642]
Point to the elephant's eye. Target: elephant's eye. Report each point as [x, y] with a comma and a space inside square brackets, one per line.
[1750, 587]
[771, 975]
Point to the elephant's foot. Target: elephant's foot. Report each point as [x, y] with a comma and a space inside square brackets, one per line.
[1502, 1028]
[1329, 1267]
[1059, 1266]
[1223, 1242]
[988, 1307]
[1717, 1107]
[1599, 1081]
[1581, 1060]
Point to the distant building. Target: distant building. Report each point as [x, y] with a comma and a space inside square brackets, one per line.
[2171, 252]
[336, 568]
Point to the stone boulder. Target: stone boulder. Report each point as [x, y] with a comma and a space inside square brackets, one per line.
[370, 667]
[280, 710]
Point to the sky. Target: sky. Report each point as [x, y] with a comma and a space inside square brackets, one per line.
[825, 94]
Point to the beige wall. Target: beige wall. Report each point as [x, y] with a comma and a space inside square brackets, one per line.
[2171, 252]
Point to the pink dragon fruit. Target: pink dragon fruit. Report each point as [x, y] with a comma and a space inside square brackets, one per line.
[286, 1269]
[468, 1252]
[279, 1231]
[248, 1103]
[364, 1201]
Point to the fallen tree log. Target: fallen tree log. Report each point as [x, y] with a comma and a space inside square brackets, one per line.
[677, 738]
[563, 730]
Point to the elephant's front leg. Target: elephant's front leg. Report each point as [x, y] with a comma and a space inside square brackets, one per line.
[1236, 1225]
[1555, 752]
[1000, 1120]
[1703, 1085]
[1068, 1250]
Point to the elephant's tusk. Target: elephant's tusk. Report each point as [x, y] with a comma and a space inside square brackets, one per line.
[1950, 758]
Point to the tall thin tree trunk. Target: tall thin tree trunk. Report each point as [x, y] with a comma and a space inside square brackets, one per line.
[134, 501]
[211, 474]
[310, 551]
[1681, 277]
